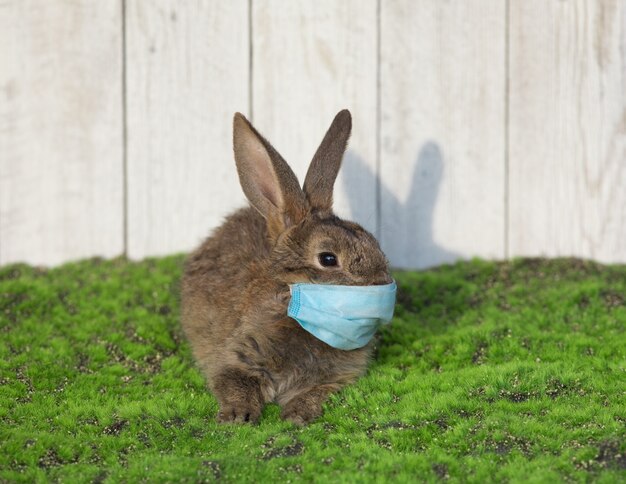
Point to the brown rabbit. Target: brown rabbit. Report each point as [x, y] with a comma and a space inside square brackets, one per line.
[235, 287]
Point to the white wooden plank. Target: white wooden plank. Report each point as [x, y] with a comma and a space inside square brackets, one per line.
[568, 129]
[442, 130]
[311, 59]
[61, 172]
[188, 72]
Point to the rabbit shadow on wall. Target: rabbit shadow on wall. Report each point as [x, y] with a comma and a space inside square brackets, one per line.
[406, 226]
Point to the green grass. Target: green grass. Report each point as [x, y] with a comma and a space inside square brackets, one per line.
[489, 372]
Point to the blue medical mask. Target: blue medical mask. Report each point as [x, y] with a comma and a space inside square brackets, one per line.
[345, 317]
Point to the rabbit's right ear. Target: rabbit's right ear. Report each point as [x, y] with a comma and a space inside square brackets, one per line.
[266, 178]
[320, 178]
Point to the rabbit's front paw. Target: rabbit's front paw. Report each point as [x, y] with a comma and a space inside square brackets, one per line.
[239, 396]
[301, 413]
[238, 413]
[307, 406]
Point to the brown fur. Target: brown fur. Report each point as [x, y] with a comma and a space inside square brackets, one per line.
[235, 288]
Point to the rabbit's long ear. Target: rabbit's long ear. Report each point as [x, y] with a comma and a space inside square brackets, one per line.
[320, 178]
[266, 178]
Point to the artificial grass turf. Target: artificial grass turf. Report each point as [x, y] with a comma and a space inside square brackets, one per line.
[489, 372]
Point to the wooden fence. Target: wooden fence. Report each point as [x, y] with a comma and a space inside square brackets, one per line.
[491, 128]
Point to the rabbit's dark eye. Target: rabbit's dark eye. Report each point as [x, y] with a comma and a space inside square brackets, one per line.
[327, 259]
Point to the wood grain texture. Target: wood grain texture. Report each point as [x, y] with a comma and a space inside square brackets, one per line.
[442, 130]
[311, 59]
[568, 129]
[61, 172]
[187, 67]
[426, 82]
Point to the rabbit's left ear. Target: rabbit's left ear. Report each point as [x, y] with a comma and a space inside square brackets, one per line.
[266, 178]
[320, 178]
